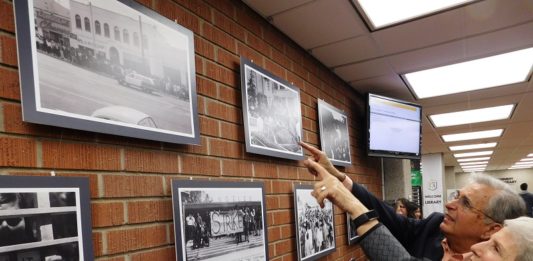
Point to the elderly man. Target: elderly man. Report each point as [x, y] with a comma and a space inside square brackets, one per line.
[473, 215]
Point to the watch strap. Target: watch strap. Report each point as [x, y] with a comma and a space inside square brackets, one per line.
[363, 218]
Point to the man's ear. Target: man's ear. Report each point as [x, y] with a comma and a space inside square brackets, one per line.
[491, 229]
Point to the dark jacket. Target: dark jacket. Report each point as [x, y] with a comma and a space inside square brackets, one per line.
[421, 238]
[528, 198]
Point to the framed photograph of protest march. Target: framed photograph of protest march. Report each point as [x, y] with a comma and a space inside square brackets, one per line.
[315, 226]
[114, 67]
[334, 136]
[45, 218]
[216, 220]
[272, 113]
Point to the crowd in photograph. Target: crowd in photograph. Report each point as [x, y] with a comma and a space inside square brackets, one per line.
[316, 230]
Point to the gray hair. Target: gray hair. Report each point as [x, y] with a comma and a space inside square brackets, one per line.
[505, 203]
[522, 230]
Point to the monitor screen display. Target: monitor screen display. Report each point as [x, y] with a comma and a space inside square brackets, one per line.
[394, 127]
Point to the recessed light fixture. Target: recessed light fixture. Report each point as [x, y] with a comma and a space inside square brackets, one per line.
[473, 163]
[473, 154]
[473, 159]
[474, 135]
[382, 13]
[474, 146]
[472, 116]
[497, 70]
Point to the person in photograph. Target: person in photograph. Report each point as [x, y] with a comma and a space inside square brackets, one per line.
[14, 230]
[472, 215]
[190, 227]
[308, 241]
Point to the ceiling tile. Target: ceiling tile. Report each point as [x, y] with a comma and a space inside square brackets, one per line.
[346, 51]
[268, 8]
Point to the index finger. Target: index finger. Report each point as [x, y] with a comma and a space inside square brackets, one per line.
[321, 172]
[310, 148]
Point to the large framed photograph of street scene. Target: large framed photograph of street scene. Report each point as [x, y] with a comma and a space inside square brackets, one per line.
[272, 113]
[215, 220]
[334, 136]
[315, 226]
[45, 218]
[107, 66]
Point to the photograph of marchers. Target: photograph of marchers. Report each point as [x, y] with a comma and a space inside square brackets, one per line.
[219, 221]
[44, 218]
[272, 113]
[315, 228]
[113, 67]
[334, 136]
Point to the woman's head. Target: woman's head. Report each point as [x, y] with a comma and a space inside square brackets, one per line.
[405, 208]
[514, 242]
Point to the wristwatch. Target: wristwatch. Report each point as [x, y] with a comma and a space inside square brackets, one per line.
[363, 218]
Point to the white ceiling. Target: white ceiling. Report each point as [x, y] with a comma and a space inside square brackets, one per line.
[334, 33]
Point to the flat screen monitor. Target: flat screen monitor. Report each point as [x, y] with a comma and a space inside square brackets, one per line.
[394, 127]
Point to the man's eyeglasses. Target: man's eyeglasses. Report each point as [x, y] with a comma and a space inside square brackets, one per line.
[465, 202]
[12, 222]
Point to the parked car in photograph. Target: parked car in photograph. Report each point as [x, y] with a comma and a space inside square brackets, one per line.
[126, 115]
[136, 80]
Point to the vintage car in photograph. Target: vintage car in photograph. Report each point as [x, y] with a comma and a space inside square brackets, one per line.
[139, 81]
[126, 115]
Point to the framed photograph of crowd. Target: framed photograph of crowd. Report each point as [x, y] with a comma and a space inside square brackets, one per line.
[216, 220]
[272, 113]
[113, 67]
[334, 136]
[45, 218]
[315, 226]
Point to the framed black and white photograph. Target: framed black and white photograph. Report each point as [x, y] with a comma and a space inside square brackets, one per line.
[350, 231]
[315, 226]
[216, 220]
[334, 136]
[272, 113]
[107, 66]
[45, 218]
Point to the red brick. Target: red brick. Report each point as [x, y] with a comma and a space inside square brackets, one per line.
[250, 20]
[286, 201]
[228, 59]
[132, 186]
[223, 111]
[258, 44]
[197, 7]
[204, 48]
[167, 253]
[229, 26]
[93, 181]
[284, 247]
[274, 234]
[282, 187]
[200, 165]
[229, 95]
[281, 59]
[209, 126]
[225, 6]
[175, 12]
[224, 148]
[282, 217]
[295, 80]
[221, 74]
[239, 168]
[17, 152]
[231, 131]
[124, 240]
[287, 231]
[265, 170]
[249, 53]
[8, 52]
[199, 64]
[106, 214]
[206, 87]
[219, 37]
[7, 20]
[97, 244]
[9, 85]
[151, 161]
[13, 122]
[275, 69]
[149, 211]
[275, 38]
[61, 154]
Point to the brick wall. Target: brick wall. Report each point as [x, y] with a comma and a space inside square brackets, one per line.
[130, 178]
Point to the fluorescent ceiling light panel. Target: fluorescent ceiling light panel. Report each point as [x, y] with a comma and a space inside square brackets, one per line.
[522, 163]
[472, 159]
[472, 116]
[472, 135]
[530, 155]
[473, 154]
[474, 146]
[473, 170]
[497, 70]
[474, 166]
[526, 159]
[521, 167]
[473, 163]
[383, 13]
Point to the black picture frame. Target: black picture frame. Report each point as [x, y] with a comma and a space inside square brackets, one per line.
[230, 222]
[271, 112]
[113, 67]
[307, 211]
[334, 135]
[45, 217]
